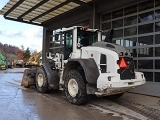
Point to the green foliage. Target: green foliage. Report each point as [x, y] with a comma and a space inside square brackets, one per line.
[27, 54]
[2, 60]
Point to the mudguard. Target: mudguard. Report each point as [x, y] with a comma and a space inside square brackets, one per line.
[89, 66]
[52, 75]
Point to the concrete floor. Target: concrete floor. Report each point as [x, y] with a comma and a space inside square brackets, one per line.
[18, 103]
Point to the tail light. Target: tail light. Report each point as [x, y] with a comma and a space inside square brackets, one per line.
[122, 63]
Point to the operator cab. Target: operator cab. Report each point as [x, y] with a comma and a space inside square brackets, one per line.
[74, 38]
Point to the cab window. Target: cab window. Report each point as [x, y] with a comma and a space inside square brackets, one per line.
[68, 44]
[86, 38]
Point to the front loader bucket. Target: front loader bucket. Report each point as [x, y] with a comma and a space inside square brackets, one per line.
[29, 77]
[24, 82]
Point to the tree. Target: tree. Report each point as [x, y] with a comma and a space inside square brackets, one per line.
[27, 54]
[20, 54]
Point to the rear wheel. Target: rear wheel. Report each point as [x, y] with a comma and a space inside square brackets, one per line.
[42, 81]
[75, 88]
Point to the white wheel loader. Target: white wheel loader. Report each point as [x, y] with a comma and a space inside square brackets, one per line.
[80, 63]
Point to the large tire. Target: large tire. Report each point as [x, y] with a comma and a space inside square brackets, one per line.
[75, 87]
[42, 81]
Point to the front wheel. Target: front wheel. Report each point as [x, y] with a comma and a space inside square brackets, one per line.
[75, 88]
[42, 81]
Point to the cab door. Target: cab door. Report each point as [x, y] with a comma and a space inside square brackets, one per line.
[68, 44]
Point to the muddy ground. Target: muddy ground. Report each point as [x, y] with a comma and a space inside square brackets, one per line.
[19, 103]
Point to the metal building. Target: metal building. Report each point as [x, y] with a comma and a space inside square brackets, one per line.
[136, 24]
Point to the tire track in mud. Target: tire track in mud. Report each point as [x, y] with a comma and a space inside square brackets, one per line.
[151, 113]
[106, 110]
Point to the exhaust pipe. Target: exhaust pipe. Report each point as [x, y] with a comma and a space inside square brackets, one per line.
[109, 39]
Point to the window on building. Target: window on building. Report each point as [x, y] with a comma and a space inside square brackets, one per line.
[146, 5]
[145, 64]
[130, 20]
[145, 40]
[147, 28]
[134, 52]
[157, 14]
[157, 26]
[130, 31]
[135, 64]
[117, 13]
[118, 33]
[117, 23]
[157, 51]
[157, 39]
[157, 64]
[137, 28]
[157, 77]
[106, 26]
[118, 42]
[148, 76]
[130, 42]
[130, 10]
[145, 52]
[126, 43]
[145, 17]
[122, 42]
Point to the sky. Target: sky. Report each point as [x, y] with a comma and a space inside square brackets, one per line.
[18, 34]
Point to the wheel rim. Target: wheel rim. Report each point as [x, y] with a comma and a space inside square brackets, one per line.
[40, 80]
[72, 87]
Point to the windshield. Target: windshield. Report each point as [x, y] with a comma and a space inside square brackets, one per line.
[86, 38]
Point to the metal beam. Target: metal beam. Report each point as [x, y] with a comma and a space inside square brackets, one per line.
[81, 3]
[17, 20]
[16, 5]
[72, 17]
[52, 9]
[73, 11]
[45, 44]
[33, 8]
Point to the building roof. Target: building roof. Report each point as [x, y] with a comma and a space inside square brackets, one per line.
[39, 12]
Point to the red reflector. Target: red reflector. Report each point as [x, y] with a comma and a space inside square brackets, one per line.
[122, 63]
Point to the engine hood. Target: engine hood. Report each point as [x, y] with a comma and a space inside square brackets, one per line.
[114, 47]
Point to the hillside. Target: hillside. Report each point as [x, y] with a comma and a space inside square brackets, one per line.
[8, 51]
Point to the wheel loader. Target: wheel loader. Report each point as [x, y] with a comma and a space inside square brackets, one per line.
[80, 64]
[34, 60]
[3, 62]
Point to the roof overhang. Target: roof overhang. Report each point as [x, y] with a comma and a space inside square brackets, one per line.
[38, 12]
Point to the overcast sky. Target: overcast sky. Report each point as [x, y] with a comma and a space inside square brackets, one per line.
[16, 33]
